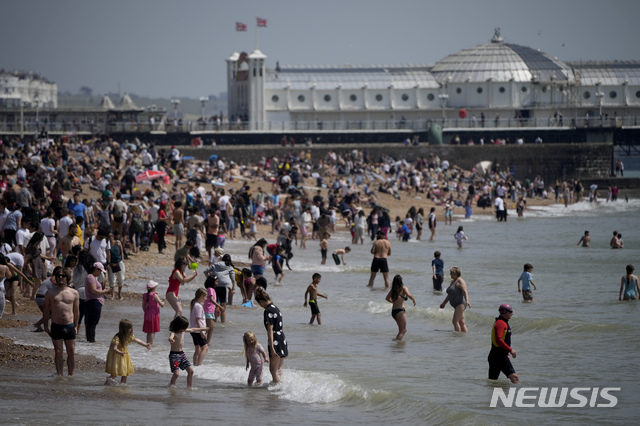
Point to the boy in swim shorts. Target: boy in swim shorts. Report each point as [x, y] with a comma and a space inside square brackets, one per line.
[312, 291]
[177, 358]
[324, 246]
[339, 254]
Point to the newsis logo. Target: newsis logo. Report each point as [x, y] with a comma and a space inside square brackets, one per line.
[526, 397]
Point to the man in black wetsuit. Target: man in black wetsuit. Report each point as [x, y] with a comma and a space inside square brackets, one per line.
[501, 346]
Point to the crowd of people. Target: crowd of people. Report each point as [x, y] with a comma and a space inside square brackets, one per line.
[68, 250]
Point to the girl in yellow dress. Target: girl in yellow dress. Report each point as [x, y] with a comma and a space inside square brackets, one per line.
[118, 358]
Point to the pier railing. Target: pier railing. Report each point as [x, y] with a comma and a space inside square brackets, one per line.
[88, 128]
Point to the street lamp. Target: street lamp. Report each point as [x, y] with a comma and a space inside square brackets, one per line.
[443, 98]
[599, 95]
[37, 112]
[176, 103]
[204, 100]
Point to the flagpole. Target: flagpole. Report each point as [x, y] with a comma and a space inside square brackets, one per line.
[257, 33]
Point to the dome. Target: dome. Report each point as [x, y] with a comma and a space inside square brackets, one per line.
[256, 54]
[500, 62]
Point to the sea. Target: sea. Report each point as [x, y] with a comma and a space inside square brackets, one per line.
[349, 370]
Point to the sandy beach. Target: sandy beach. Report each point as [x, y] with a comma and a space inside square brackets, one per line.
[33, 360]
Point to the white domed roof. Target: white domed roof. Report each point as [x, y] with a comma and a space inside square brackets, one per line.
[256, 54]
[501, 62]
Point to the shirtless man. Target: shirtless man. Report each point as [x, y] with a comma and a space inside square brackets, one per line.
[615, 241]
[178, 223]
[380, 250]
[585, 240]
[213, 227]
[67, 242]
[62, 306]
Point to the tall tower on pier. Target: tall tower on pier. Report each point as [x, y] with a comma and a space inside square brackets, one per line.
[245, 85]
[232, 85]
[256, 90]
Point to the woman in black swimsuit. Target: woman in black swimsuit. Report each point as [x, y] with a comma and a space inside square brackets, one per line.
[397, 295]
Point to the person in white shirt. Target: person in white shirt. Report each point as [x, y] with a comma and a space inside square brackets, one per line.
[68, 218]
[175, 157]
[147, 159]
[49, 227]
[200, 190]
[223, 200]
[23, 236]
[100, 249]
[315, 215]
[501, 212]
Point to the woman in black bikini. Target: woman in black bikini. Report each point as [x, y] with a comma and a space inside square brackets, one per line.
[397, 295]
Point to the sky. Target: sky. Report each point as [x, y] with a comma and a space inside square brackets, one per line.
[162, 48]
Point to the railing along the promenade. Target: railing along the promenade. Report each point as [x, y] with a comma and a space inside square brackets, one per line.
[319, 126]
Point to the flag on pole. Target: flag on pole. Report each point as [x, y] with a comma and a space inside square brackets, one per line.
[241, 27]
[261, 22]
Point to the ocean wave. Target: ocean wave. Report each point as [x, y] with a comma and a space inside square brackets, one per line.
[583, 208]
[555, 324]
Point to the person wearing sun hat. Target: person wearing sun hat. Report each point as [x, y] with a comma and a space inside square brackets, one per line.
[216, 257]
[151, 304]
[501, 346]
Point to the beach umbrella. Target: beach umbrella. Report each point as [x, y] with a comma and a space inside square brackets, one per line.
[483, 166]
[149, 175]
[213, 157]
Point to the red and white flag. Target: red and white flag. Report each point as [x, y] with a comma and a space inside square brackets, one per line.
[261, 22]
[241, 27]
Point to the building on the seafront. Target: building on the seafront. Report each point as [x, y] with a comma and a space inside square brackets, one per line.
[485, 85]
[106, 116]
[27, 88]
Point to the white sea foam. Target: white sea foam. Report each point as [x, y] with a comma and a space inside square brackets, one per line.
[583, 208]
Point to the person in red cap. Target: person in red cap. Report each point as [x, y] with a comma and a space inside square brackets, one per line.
[501, 346]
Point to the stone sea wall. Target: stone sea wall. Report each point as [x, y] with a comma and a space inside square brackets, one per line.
[553, 161]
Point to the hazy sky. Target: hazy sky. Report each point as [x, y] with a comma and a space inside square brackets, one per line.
[162, 48]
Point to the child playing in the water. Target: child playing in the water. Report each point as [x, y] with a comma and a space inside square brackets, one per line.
[459, 236]
[118, 358]
[177, 359]
[198, 320]
[151, 304]
[527, 283]
[255, 357]
[339, 254]
[277, 263]
[312, 292]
